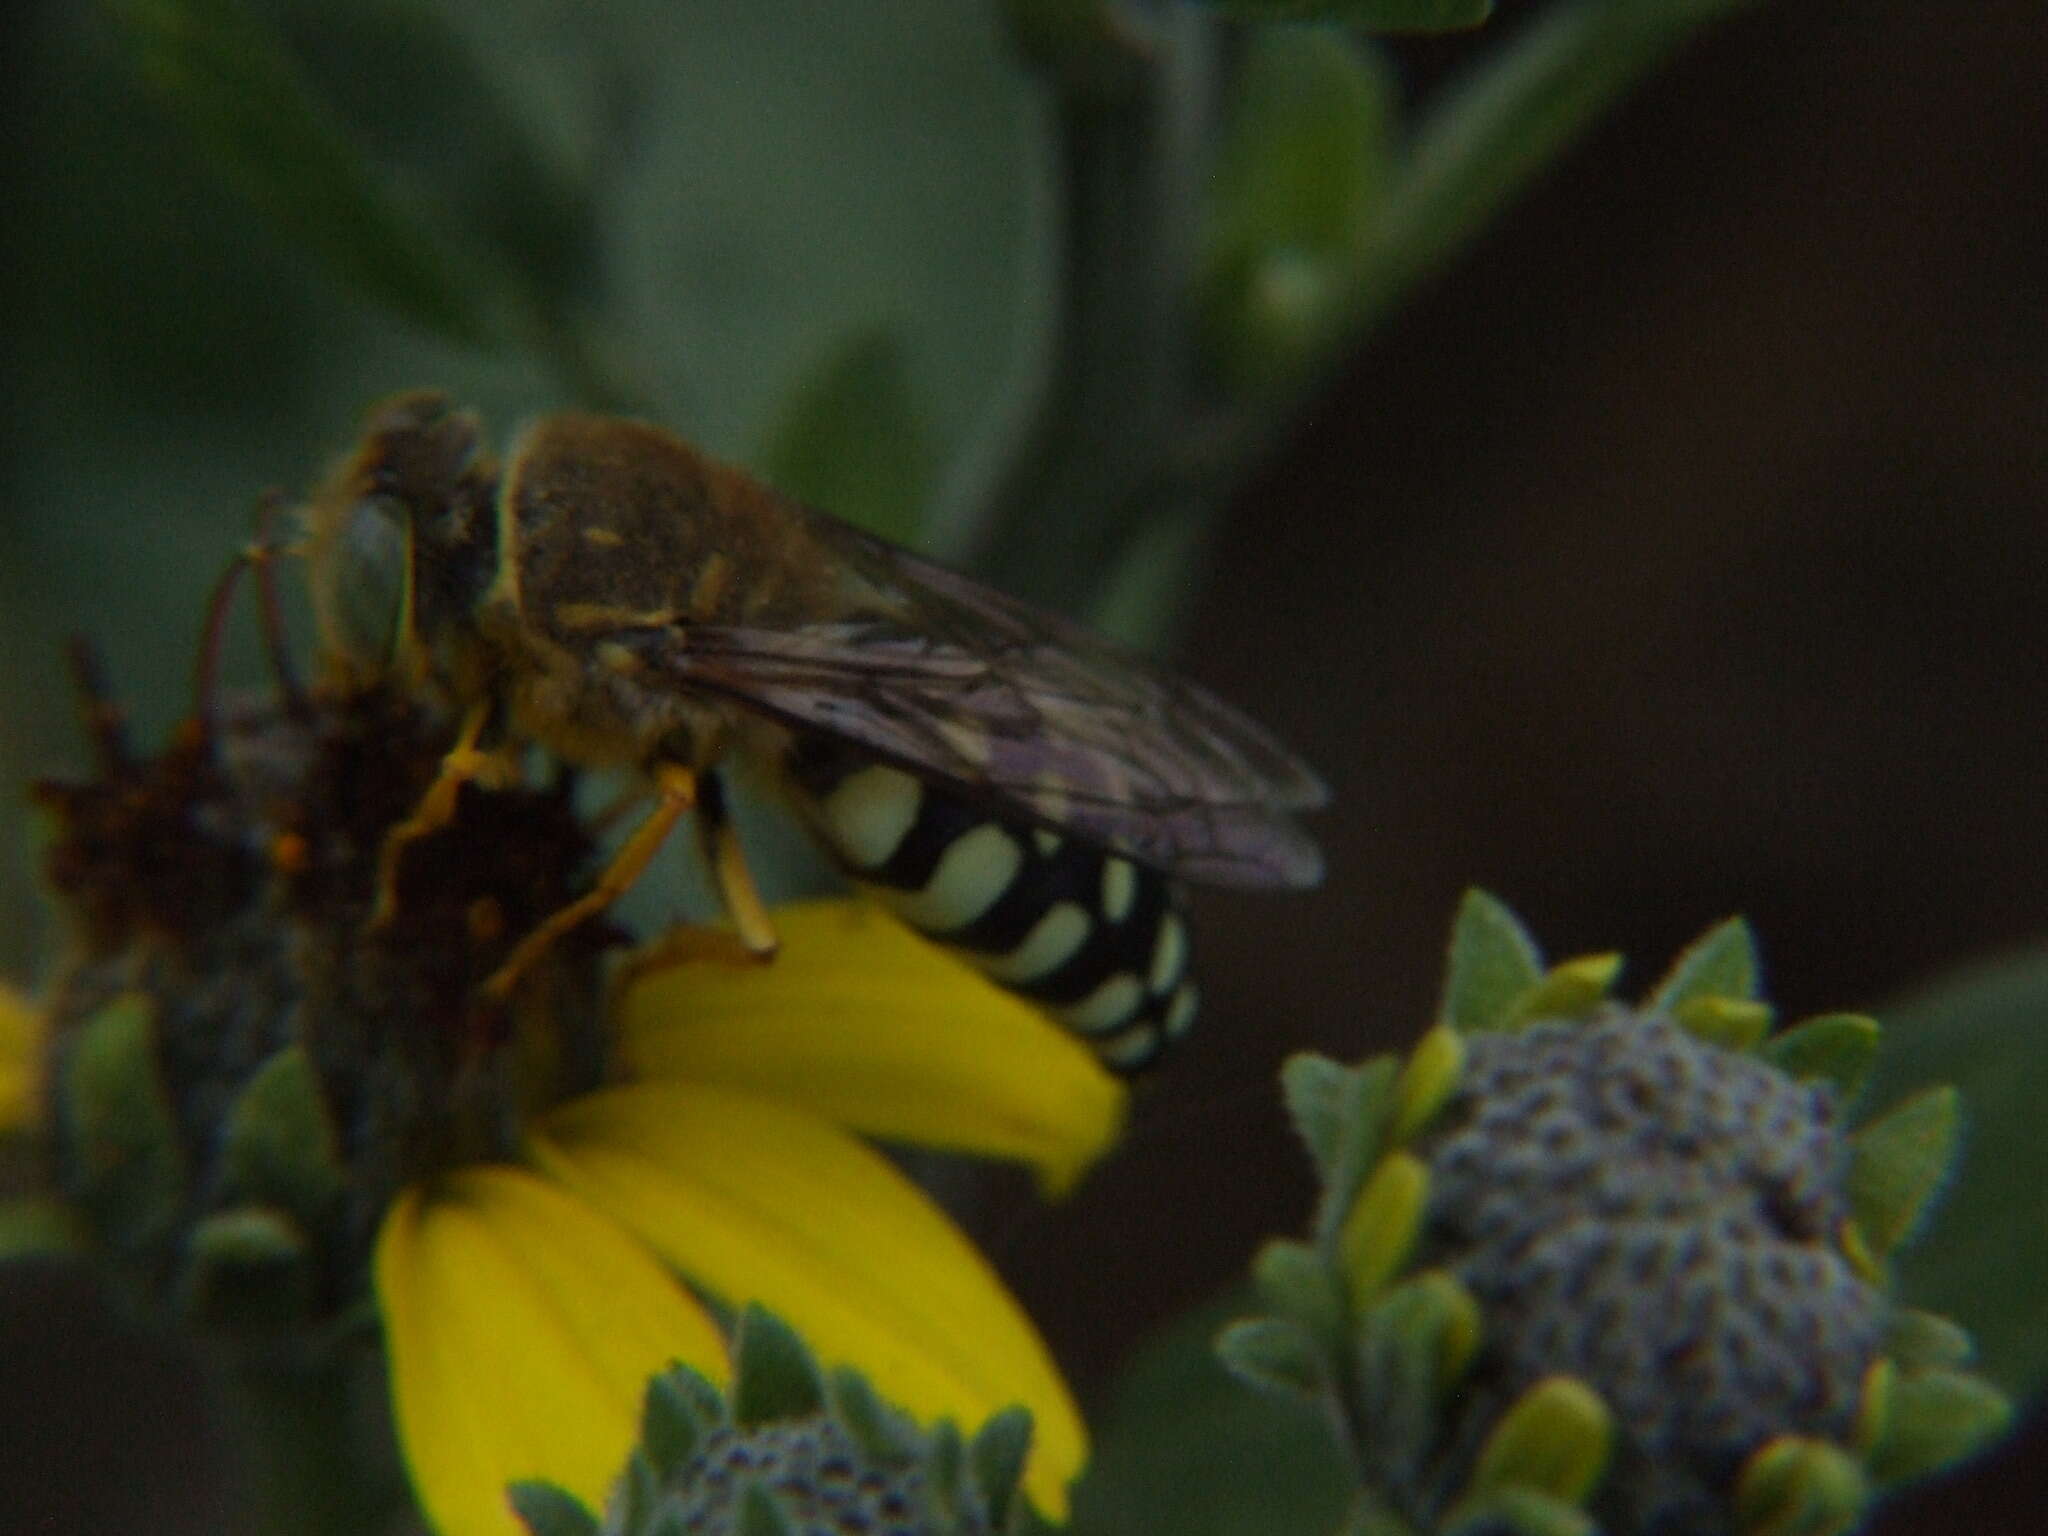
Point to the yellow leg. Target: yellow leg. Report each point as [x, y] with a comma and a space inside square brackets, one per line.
[754, 942]
[727, 861]
[463, 764]
[675, 792]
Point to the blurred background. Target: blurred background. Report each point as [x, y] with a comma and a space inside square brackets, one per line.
[1678, 550]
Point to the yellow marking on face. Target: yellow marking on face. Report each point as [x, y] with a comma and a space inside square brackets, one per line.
[971, 876]
[576, 616]
[714, 580]
[603, 538]
[617, 658]
[1119, 888]
[1106, 1007]
[869, 813]
[1180, 1013]
[1052, 942]
[1169, 954]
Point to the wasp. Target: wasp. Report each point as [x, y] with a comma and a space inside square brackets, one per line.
[1006, 782]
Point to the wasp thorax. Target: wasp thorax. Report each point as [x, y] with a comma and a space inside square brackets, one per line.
[246, 1067]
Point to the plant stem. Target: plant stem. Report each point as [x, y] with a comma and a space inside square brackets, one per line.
[321, 1461]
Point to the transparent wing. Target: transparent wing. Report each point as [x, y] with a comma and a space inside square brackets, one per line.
[1023, 710]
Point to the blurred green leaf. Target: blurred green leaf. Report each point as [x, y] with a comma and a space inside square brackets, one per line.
[1489, 135]
[1981, 1262]
[1937, 1417]
[1303, 160]
[1372, 15]
[1898, 1164]
[1839, 1048]
[1183, 1447]
[1720, 963]
[240, 93]
[848, 439]
[1493, 964]
[550, 1511]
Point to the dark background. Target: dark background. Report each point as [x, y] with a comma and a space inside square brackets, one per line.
[1679, 552]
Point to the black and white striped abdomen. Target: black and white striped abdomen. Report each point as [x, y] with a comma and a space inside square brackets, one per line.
[1096, 941]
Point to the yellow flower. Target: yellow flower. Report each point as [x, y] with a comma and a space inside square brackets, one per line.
[526, 1303]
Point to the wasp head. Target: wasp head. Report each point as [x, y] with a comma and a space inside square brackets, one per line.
[403, 542]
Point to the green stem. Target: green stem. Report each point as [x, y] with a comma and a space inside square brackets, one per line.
[317, 1446]
[1128, 140]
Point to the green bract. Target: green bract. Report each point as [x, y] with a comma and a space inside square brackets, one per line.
[788, 1451]
[1616, 1269]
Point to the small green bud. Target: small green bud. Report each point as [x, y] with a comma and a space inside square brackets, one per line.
[1733, 1023]
[1571, 989]
[1428, 1078]
[1553, 1441]
[1795, 1486]
[1380, 1232]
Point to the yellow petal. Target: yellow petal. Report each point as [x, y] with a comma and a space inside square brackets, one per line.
[521, 1328]
[757, 1201]
[877, 1030]
[21, 1044]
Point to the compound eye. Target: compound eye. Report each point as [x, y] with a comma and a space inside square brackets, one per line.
[364, 583]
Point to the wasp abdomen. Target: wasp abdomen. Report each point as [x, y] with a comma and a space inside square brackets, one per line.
[1092, 938]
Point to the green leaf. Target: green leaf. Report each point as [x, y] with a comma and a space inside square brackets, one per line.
[278, 1144]
[671, 1421]
[551, 1511]
[1493, 962]
[1369, 15]
[762, 1514]
[1919, 1339]
[1720, 963]
[1838, 1048]
[774, 1376]
[848, 439]
[1899, 1163]
[997, 1454]
[1303, 158]
[38, 1226]
[1294, 1280]
[1796, 1486]
[1182, 1446]
[1981, 1029]
[1518, 1511]
[241, 95]
[885, 1434]
[1554, 1440]
[126, 1162]
[1317, 1092]
[1273, 1354]
[246, 1270]
[1487, 137]
[1343, 1114]
[1937, 1417]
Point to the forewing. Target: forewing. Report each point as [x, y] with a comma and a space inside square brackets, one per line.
[1024, 711]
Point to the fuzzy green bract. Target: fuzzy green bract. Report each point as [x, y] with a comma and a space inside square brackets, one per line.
[789, 1451]
[1588, 1267]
